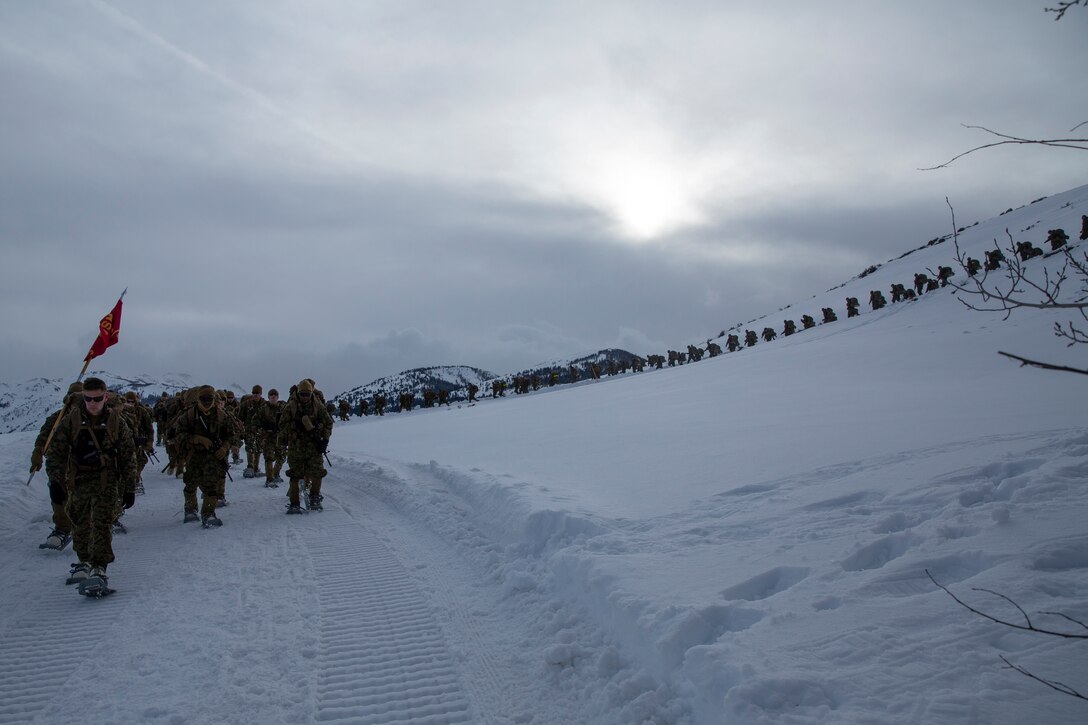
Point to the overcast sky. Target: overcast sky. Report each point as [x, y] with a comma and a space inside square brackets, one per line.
[343, 190]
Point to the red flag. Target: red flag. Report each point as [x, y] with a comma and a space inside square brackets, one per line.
[108, 331]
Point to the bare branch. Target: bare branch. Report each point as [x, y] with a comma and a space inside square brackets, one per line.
[1063, 5]
[1080, 144]
[1052, 684]
[1024, 362]
[1066, 616]
[1029, 627]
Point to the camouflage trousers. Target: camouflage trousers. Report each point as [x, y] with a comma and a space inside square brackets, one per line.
[91, 508]
[254, 449]
[273, 457]
[206, 472]
[304, 464]
[58, 497]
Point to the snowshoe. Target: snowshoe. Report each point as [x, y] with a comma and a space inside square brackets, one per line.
[314, 503]
[56, 540]
[221, 501]
[292, 510]
[211, 520]
[249, 473]
[140, 489]
[79, 572]
[191, 516]
[277, 479]
[271, 483]
[119, 528]
[96, 584]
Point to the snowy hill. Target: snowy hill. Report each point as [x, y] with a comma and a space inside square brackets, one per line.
[24, 406]
[453, 378]
[742, 540]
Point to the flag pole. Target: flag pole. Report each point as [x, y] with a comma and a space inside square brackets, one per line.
[56, 423]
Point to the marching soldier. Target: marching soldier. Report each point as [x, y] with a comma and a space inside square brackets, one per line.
[305, 429]
[1057, 239]
[269, 419]
[852, 306]
[92, 451]
[144, 435]
[829, 315]
[380, 401]
[769, 334]
[788, 328]
[807, 322]
[364, 407]
[205, 434]
[58, 490]
[159, 413]
[750, 338]
[920, 282]
[973, 266]
[248, 412]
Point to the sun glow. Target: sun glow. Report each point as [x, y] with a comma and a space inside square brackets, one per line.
[646, 199]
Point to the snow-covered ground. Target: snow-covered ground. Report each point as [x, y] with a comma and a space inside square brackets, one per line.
[740, 540]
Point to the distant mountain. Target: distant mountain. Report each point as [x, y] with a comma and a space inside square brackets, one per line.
[581, 364]
[24, 406]
[455, 379]
[452, 378]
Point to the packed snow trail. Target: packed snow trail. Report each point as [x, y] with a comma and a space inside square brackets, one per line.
[270, 618]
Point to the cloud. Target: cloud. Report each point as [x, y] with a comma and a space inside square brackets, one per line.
[345, 190]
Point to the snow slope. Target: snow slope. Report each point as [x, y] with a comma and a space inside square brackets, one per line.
[739, 540]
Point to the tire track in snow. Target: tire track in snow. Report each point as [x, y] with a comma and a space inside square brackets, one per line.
[382, 656]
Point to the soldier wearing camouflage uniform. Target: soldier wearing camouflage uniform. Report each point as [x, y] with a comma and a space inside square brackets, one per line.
[159, 414]
[231, 403]
[239, 432]
[143, 434]
[58, 491]
[305, 428]
[92, 452]
[270, 426]
[205, 436]
[249, 412]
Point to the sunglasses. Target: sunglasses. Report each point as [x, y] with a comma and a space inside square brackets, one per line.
[94, 398]
[304, 394]
[207, 398]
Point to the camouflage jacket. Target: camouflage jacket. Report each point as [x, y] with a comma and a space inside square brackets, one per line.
[218, 426]
[84, 446]
[293, 432]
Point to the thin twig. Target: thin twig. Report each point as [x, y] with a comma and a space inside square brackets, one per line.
[1052, 684]
[1067, 143]
[1024, 362]
[1027, 628]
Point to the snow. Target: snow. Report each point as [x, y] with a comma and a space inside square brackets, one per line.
[740, 540]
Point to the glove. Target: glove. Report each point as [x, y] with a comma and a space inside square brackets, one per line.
[202, 442]
[35, 461]
[222, 452]
[129, 498]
